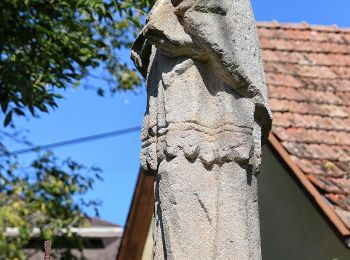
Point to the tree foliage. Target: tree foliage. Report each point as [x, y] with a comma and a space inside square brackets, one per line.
[53, 44]
[41, 196]
[47, 46]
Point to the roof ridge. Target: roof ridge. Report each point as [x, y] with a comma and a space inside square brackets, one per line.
[303, 26]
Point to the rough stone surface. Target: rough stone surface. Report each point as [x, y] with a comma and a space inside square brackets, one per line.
[206, 117]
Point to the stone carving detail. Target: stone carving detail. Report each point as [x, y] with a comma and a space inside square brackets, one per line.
[206, 117]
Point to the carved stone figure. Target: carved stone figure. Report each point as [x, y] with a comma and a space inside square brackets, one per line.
[207, 116]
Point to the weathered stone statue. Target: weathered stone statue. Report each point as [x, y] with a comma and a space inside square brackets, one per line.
[207, 116]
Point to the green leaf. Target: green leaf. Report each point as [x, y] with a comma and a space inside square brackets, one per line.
[4, 105]
[19, 111]
[56, 95]
[100, 92]
[8, 118]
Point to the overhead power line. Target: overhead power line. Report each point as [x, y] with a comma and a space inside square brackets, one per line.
[73, 141]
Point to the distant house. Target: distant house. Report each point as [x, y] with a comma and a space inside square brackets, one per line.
[101, 241]
[304, 187]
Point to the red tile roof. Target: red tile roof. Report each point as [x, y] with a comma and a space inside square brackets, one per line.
[308, 76]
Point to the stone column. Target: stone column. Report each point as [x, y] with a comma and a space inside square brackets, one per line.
[206, 119]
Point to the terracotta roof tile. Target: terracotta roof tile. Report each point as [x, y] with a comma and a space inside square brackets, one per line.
[307, 107]
[283, 80]
[267, 33]
[288, 57]
[330, 185]
[307, 121]
[303, 35]
[312, 136]
[302, 94]
[308, 74]
[347, 38]
[344, 215]
[338, 85]
[300, 46]
[342, 72]
[341, 200]
[323, 72]
[320, 167]
[318, 151]
[334, 85]
[328, 59]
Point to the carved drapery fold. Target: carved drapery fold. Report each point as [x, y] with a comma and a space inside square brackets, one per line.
[177, 118]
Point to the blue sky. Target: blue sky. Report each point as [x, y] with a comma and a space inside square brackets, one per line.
[83, 113]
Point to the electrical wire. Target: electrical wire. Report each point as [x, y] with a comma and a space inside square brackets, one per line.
[73, 141]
